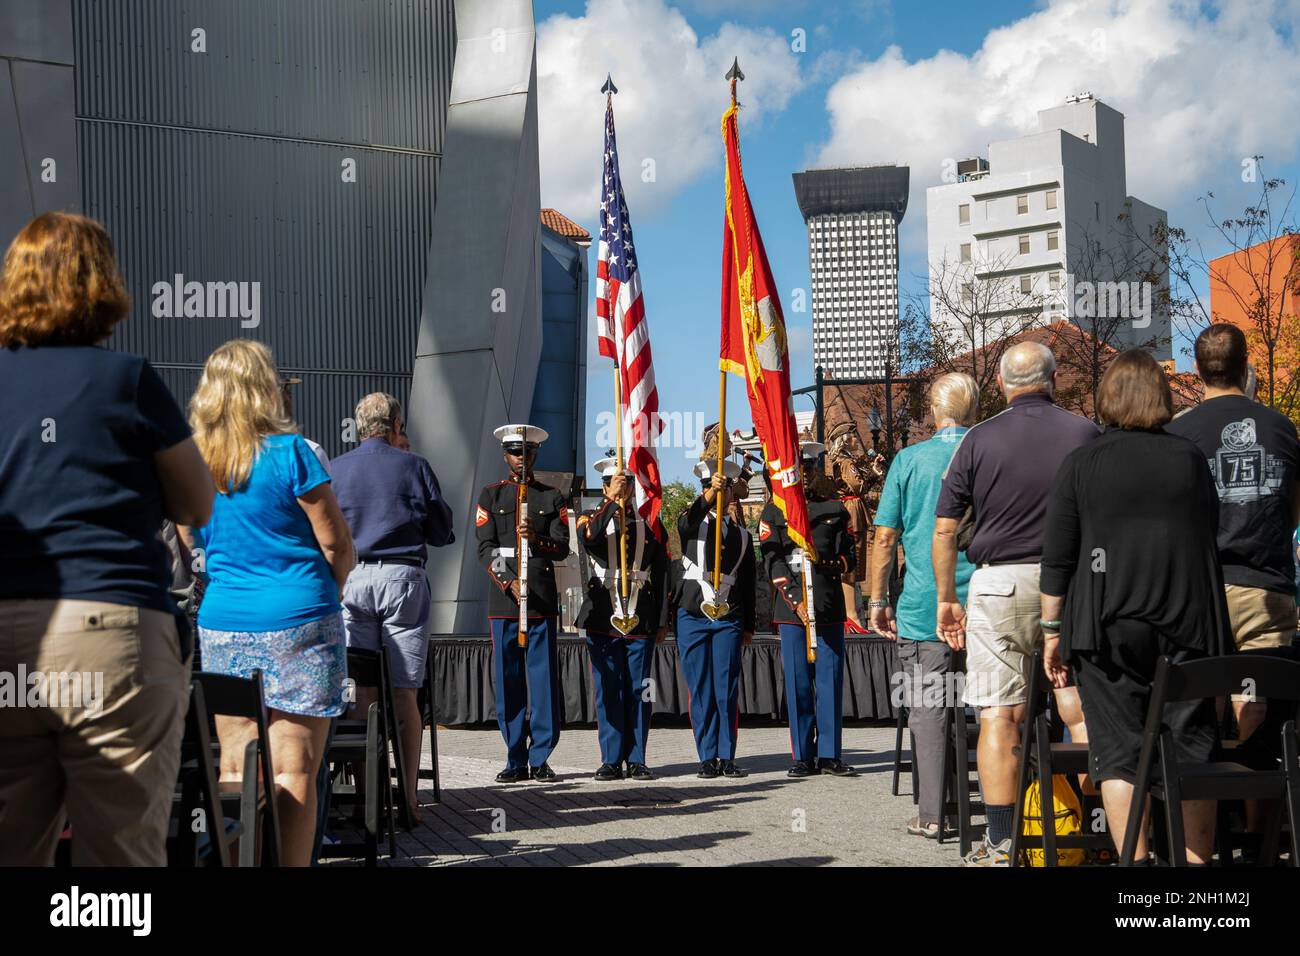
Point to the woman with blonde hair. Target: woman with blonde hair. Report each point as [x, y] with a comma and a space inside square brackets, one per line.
[94, 454]
[276, 554]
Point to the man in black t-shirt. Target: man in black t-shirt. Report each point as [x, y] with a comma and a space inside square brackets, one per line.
[1254, 455]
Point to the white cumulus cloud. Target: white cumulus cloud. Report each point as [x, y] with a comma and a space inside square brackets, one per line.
[671, 98]
[1201, 87]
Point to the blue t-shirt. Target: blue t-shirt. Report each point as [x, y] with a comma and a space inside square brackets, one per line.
[264, 568]
[80, 501]
[907, 503]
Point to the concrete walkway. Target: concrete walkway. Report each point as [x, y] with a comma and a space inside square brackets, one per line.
[675, 820]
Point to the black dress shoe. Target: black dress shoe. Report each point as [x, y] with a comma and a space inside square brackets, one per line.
[639, 771]
[729, 769]
[708, 769]
[803, 768]
[837, 768]
[544, 772]
[513, 775]
[608, 771]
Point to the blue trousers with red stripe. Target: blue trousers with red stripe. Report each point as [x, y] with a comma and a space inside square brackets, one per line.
[814, 693]
[709, 652]
[620, 668]
[526, 682]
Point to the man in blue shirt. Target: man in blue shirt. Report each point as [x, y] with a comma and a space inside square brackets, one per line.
[906, 514]
[394, 506]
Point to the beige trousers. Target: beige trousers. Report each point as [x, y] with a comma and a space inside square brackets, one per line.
[92, 707]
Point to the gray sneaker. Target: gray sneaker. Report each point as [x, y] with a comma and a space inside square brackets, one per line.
[928, 830]
[989, 854]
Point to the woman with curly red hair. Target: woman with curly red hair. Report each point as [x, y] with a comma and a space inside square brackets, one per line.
[94, 454]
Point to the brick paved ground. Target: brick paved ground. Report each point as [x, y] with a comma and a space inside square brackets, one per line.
[675, 820]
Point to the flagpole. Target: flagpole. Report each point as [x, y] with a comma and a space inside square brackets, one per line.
[609, 89]
[618, 460]
[733, 75]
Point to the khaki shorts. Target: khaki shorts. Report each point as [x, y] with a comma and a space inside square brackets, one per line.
[1260, 618]
[1002, 632]
[99, 747]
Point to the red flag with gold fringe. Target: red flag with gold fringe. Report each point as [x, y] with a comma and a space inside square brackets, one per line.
[754, 343]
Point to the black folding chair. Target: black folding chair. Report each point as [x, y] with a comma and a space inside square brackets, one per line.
[199, 833]
[958, 785]
[431, 715]
[254, 800]
[383, 682]
[370, 795]
[373, 668]
[367, 742]
[902, 766]
[1275, 678]
[1049, 756]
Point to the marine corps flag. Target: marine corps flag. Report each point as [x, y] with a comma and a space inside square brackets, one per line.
[754, 342]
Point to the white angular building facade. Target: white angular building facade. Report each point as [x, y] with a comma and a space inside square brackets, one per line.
[1049, 215]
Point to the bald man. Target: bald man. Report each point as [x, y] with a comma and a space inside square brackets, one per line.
[1003, 469]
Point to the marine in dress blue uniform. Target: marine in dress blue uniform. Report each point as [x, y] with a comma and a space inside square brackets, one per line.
[709, 650]
[814, 692]
[622, 653]
[526, 680]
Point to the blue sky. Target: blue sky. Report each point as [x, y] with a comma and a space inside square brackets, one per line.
[877, 82]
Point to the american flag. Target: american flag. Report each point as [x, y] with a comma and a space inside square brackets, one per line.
[624, 336]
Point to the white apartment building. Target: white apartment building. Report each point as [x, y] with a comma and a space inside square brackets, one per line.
[852, 217]
[1045, 228]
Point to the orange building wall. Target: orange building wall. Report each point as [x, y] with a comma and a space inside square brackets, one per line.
[1235, 282]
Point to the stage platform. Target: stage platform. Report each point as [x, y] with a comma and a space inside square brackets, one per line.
[463, 673]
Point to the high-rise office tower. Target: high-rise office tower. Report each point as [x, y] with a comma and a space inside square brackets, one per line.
[853, 216]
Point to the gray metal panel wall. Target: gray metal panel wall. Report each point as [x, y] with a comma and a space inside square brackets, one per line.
[323, 402]
[38, 134]
[340, 265]
[376, 72]
[226, 166]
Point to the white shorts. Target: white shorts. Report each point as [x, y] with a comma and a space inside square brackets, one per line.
[1002, 632]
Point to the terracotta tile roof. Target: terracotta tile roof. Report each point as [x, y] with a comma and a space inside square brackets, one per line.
[558, 222]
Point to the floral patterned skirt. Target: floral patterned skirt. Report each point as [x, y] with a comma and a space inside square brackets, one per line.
[303, 668]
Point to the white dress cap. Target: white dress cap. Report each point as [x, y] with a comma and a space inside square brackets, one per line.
[515, 434]
[705, 469]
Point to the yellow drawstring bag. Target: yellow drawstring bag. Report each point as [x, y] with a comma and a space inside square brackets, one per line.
[1066, 813]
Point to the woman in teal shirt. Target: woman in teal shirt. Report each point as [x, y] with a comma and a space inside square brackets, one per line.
[276, 553]
[906, 514]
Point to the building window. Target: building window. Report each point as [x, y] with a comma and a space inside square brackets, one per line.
[1096, 211]
[965, 252]
[1025, 284]
[963, 214]
[1050, 196]
[967, 293]
[1054, 281]
[1024, 245]
[1022, 205]
[1053, 241]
